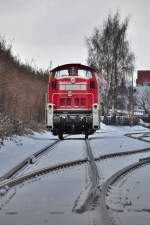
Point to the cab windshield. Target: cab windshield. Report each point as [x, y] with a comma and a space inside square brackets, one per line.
[73, 72]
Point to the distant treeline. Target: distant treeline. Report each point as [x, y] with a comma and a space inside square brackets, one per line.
[22, 94]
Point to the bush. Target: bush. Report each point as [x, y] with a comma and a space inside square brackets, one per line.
[120, 120]
[22, 94]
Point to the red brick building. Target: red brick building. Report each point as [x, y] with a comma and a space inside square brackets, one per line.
[143, 78]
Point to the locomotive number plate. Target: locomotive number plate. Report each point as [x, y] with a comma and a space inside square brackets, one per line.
[69, 93]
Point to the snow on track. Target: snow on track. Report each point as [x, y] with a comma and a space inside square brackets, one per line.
[127, 197]
[53, 194]
[64, 151]
[20, 147]
[112, 139]
[45, 200]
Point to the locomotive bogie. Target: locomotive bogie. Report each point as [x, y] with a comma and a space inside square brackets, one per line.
[72, 124]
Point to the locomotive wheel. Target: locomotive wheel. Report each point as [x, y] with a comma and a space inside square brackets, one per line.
[60, 135]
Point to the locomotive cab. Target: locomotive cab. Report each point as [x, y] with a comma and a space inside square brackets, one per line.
[73, 101]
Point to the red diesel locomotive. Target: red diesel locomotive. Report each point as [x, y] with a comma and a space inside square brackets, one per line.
[73, 100]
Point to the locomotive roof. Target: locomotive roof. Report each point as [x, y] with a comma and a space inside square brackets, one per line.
[66, 66]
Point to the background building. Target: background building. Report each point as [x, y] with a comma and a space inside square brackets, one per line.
[142, 93]
[143, 78]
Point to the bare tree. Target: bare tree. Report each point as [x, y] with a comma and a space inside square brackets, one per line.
[110, 54]
[143, 98]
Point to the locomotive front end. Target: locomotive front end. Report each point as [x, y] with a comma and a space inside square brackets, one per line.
[73, 102]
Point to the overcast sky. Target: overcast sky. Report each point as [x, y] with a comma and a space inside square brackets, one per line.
[56, 30]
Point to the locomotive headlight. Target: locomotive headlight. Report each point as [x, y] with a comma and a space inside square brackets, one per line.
[69, 93]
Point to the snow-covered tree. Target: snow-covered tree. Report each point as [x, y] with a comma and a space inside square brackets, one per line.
[109, 52]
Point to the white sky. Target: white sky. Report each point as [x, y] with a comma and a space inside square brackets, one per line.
[56, 30]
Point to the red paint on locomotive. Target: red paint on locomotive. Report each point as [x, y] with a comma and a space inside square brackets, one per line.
[73, 101]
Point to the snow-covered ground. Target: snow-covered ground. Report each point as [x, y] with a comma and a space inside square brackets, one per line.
[16, 149]
[129, 198]
[112, 139]
[54, 194]
[64, 151]
[107, 139]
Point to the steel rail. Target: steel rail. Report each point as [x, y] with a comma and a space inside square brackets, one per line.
[143, 134]
[93, 171]
[121, 154]
[91, 190]
[28, 160]
[15, 181]
[8, 180]
[107, 220]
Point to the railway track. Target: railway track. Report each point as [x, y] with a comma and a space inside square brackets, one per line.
[93, 171]
[107, 219]
[121, 154]
[95, 175]
[36, 155]
[142, 136]
[28, 160]
[15, 181]
[91, 190]
[10, 180]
